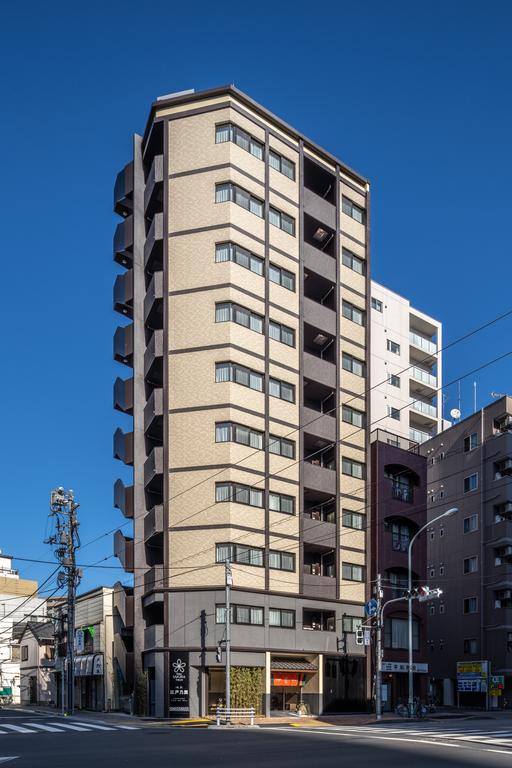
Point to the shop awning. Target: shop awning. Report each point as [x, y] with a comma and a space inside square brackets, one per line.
[292, 665]
[90, 664]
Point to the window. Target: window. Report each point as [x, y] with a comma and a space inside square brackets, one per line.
[353, 262]
[240, 614]
[239, 374]
[470, 605]
[432, 573]
[353, 520]
[231, 193]
[281, 164]
[393, 347]
[228, 432]
[441, 531]
[351, 312]
[351, 416]
[471, 483]
[227, 312]
[470, 442]
[281, 277]
[230, 132]
[279, 502]
[376, 304]
[470, 524]
[240, 256]
[281, 447]
[281, 561]
[352, 572]
[238, 493]
[470, 564]
[441, 570]
[353, 365]
[352, 210]
[351, 623]
[280, 617]
[353, 468]
[282, 390]
[393, 380]
[321, 621]
[24, 652]
[238, 553]
[281, 221]
[441, 608]
[393, 413]
[396, 634]
[470, 645]
[432, 610]
[400, 537]
[281, 333]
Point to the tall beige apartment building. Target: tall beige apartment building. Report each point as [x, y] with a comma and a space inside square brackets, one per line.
[244, 280]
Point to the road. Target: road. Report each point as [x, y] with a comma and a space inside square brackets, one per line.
[44, 741]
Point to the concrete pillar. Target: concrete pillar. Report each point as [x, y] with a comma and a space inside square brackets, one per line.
[320, 683]
[268, 683]
[448, 692]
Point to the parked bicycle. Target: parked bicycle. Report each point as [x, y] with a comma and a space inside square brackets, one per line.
[419, 710]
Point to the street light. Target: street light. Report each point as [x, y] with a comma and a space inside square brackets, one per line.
[448, 513]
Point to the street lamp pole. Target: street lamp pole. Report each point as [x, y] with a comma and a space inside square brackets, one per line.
[448, 513]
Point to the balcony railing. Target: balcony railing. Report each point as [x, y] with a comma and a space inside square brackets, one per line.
[422, 343]
[417, 436]
[418, 374]
[425, 408]
[402, 493]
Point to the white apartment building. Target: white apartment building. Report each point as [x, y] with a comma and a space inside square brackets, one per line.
[406, 367]
[18, 601]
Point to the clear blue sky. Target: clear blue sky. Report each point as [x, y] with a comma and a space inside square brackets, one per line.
[414, 95]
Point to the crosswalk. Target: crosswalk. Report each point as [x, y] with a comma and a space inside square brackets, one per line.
[59, 726]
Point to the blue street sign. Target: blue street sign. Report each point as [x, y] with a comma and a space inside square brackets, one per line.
[371, 607]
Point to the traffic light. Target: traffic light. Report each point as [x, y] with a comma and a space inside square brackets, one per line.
[341, 643]
[423, 593]
[359, 636]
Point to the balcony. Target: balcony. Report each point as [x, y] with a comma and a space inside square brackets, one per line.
[154, 523]
[417, 436]
[402, 493]
[422, 343]
[153, 302]
[319, 343]
[318, 208]
[123, 446]
[420, 376]
[153, 359]
[154, 578]
[319, 262]
[123, 603]
[502, 468]
[319, 235]
[123, 344]
[319, 316]
[123, 550]
[123, 243]
[321, 426]
[503, 511]
[123, 498]
[426, 409]
[153, 193]
[319, 464]
[123, 293]
[153, 415]
[123, 395]
[123, 191]
[318, 531]
[153, 636]
[154, 469]
[153, 248]
[319, 370]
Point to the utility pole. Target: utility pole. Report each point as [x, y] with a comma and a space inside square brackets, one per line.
[378, 650]
[229, 584]
[63, 509]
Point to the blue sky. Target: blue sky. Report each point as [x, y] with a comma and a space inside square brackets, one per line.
[416, 96]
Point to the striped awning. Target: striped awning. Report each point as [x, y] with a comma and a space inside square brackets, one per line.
[292, 665]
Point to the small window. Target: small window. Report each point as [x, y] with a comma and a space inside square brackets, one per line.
[393, 347]
[353, 520]
[279, 502]
[281, 617]
[432, 610]
[471, 645]
[432, 573]
[281, 390]
[441, 608]
[281, 164]
[393, 413]
[470, 524]
[352, 572]
[470, 564]
[281, 221]
[394, 380]
[376, 304]
[354, 211]
[24, 652]
[441, 570]
[470, 442]
[239, 494]
[281, 333]
[238, 255]
[353, 365]
[432, 535]
[240, 614]
[353, 468]
[228, 432]
[352, 416]
[354, 263]
[470, 605]
[231, 193]
[281, 561]
[228, 312]
[351, 623]
[441, 532]
[351, 312]
[238, 374]
[230, 132]
[237, 553]
[281, 447]
[471, 483]
[282, 277]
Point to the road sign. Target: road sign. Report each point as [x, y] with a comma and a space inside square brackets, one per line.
[403, 666]
[371, 607]
[367, 637]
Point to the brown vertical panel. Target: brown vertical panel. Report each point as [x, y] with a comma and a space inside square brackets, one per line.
[267, 364]
[339, 369]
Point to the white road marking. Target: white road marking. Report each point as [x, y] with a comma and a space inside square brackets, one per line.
[43, 727]
[89, 724]
[129, 727]
[17, 728]
[6, 759]
[73, 727]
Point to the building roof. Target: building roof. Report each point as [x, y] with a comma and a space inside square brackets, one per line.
[43, 631]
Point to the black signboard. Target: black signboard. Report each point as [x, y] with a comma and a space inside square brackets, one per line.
[179, 705]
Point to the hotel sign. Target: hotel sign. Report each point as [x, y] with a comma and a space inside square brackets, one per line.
[179, 704]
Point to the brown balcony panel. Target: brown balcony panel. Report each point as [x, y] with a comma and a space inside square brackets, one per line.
[153, 636]
[317, 424]
[319, 316]
[123, 191]
[123, 498]
[123, 243]
[123, 395]
[123, 344]
[319, 478]
[319, 262]
[153, 247]
[319, 208]
[319, 370]
[123, 603]
[319, 586]
[154, 522]
[153, 302]
[153, 359]
[153, 414]
[123, 446]
[123, 293]
[153, 193]
[154, 578]
[123, 550]
[319, 532]
[154, 468]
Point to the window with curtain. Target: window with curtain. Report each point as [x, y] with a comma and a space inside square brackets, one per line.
[239, 494]
[237, 433]
[280, 617]
[240, 614]
[353, 468]
[281, 447]
[231, 132]
[227, 311]
[237, 553]
[396, 634]
[238, 255]
[281, 220]
[352, 572]
[279, 502]
[351, 312]
[281, 164]
[353, 365]
[228, 192]
[238, 374]
[352, 261]
[354, 211]
[281, 333]
[282, 390]
[282, 277]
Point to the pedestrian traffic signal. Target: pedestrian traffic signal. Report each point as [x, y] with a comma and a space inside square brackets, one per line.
[219, 654]
[359, 637]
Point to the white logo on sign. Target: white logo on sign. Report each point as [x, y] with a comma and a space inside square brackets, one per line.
[179, 666]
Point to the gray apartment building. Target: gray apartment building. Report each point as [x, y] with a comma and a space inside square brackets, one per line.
[244, 283]
[470, 556]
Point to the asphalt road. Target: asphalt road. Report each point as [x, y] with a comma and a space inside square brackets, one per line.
[45, 742]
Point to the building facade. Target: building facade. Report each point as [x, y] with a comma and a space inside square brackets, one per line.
[406, 367]
[470, 554]
[37, 663]
[399, 510]
[244, 279]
